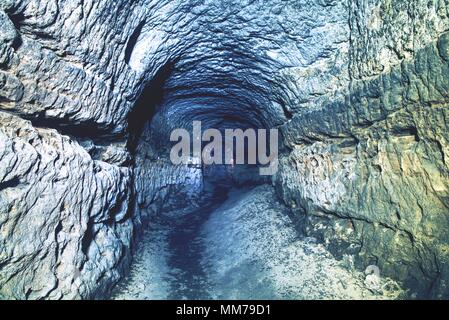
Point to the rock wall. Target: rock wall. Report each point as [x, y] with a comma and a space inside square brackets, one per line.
[65, 179]
[163, 187]
[357, 87]
[371, 172]
[65, 229]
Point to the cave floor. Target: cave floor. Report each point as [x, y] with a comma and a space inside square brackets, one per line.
[242, 246]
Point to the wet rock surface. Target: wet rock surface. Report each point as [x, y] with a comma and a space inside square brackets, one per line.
[89, 92]
[245, 248]
[168, 263]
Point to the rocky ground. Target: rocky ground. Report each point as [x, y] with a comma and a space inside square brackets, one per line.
[247, 248]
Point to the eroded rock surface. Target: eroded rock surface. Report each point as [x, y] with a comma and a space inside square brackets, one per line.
[65, 232]
[89, 92]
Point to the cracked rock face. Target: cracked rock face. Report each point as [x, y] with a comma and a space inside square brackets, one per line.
[371, 172]
[65, 230]
[90, 91]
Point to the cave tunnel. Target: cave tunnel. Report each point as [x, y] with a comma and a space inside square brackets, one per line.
[346, 99]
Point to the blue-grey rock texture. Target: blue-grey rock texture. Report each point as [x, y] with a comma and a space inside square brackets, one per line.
[371, 171]
[65, 232]
[90, 90]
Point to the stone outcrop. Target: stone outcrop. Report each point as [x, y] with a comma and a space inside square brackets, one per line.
[89, 92]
